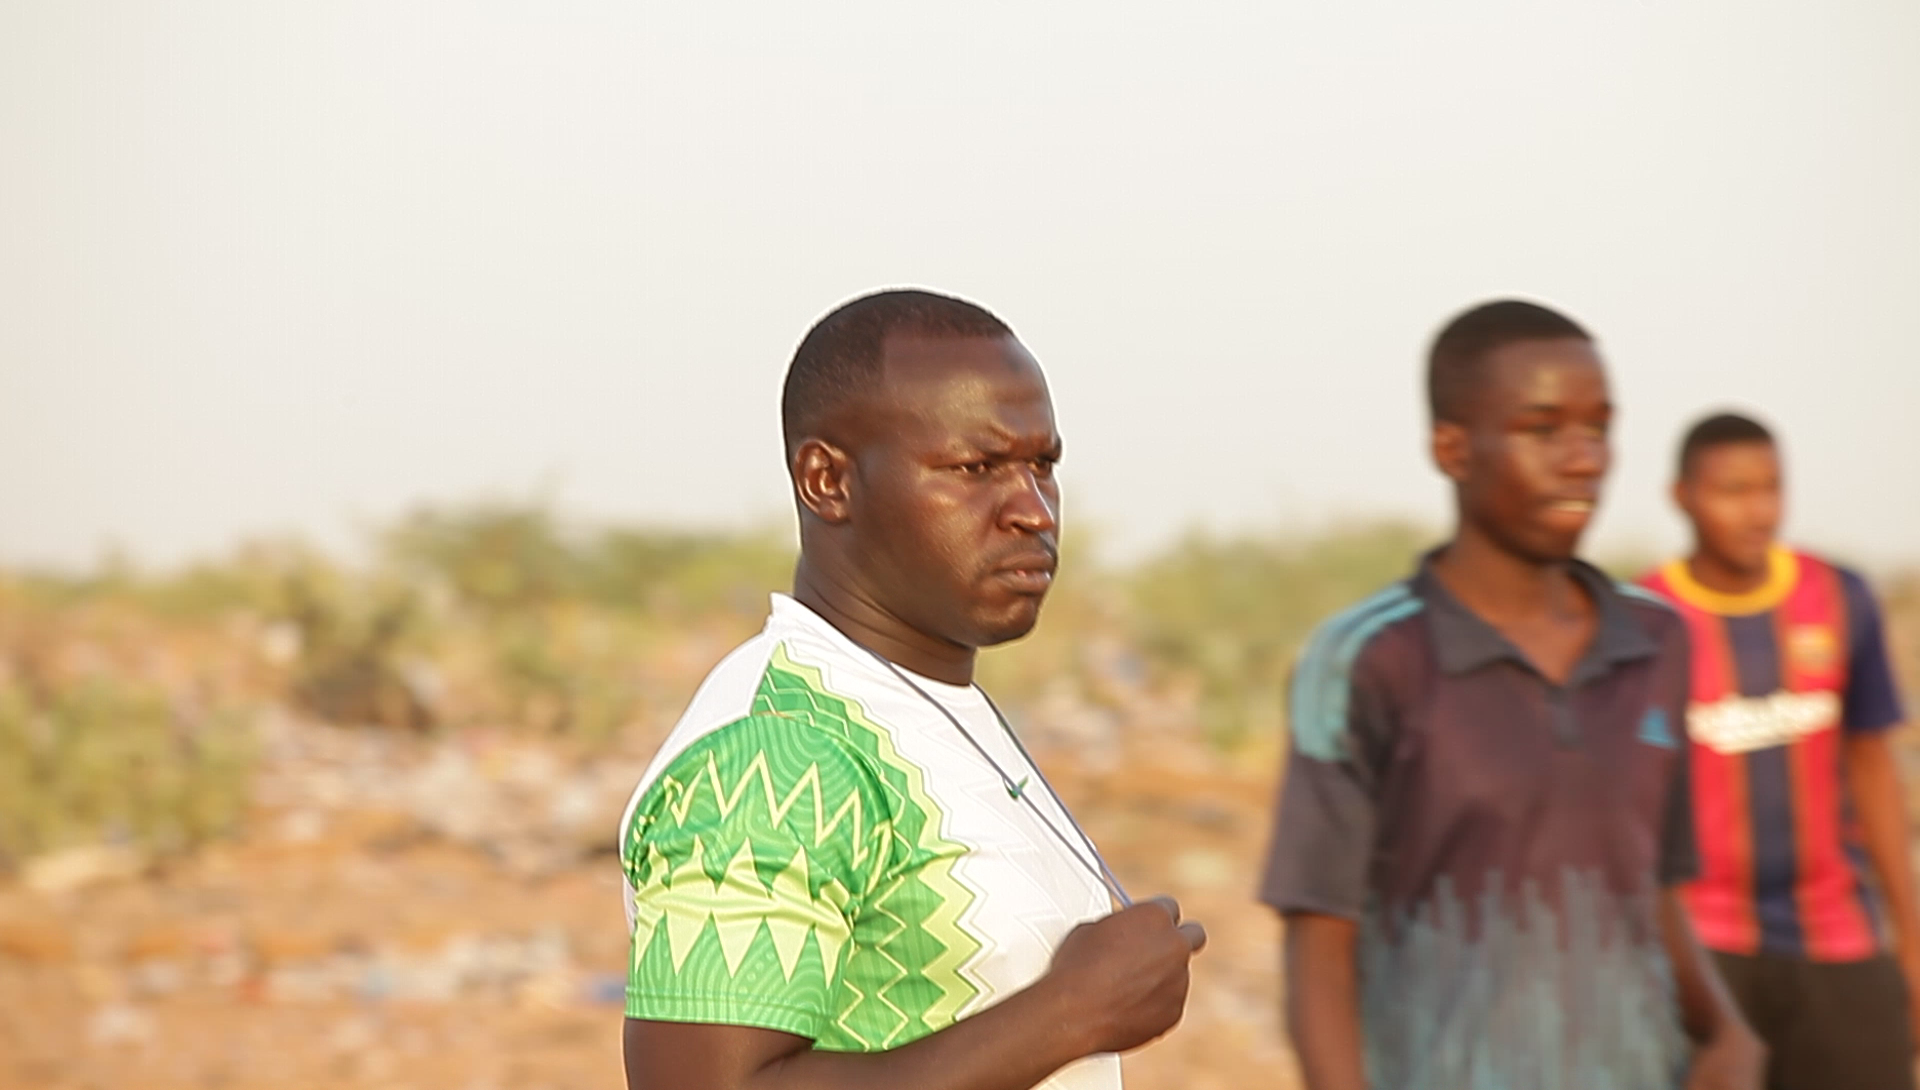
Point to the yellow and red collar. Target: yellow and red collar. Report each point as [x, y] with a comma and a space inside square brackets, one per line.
[1783, 571]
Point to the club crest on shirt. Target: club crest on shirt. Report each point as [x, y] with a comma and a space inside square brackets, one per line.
[1813, 648]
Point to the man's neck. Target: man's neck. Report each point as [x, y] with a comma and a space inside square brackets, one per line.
[1716, 574]
[842, 603]
[1502, 586]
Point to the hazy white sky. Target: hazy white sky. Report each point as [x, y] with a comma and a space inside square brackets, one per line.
[269, 267]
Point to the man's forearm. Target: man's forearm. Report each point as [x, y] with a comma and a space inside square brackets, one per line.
[1873, 781]
[1323, 1002]
[1011, 1046]
[1014, 1045]
[1706, 1010]
[1114, 984]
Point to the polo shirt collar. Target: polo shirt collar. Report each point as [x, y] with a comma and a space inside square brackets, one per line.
[1464, 642]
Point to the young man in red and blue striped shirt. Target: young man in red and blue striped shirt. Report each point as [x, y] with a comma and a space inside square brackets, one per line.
[1806, 893]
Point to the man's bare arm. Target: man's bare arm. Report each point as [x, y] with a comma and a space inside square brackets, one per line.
[1115, 984]
[1873, 782]
[1012, 1046]
[1727, 1055]
[1323, 1001]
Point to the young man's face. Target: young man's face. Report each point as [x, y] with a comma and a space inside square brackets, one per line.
[1732, 494]
[1529, 459]
[958, 511]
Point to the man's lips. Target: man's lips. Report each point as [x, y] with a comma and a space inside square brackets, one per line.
[1573, 505]
[1570, 508]
[1028, 573]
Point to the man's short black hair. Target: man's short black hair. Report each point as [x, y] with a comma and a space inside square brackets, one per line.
[1453, 362]
[839, 358]
[1719, 430]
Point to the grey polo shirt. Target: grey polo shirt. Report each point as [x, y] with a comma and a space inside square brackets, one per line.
[1500, 839]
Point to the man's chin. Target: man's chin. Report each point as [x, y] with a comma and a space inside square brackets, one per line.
[1010, 624]
[1752, 565]
[1546, 548]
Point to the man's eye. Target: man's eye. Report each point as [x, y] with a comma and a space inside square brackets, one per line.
[975, 469]
[1043, 467]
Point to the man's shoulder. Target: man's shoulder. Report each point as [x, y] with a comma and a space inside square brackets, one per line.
[1360, 641]
[1645, 603]
[1853, 584]
[1375, 626]
[1858, 604]
[763, 718]
[1647, 599]
[774, 689]
[725, 695]
[1360, 624]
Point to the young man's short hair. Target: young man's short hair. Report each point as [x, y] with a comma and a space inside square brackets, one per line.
[1719, 430]
[839, 358]
[1454, 370]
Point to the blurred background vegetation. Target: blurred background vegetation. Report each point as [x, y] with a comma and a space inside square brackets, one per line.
[128, 699]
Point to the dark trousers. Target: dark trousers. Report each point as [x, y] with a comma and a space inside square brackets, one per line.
[1827, 1025]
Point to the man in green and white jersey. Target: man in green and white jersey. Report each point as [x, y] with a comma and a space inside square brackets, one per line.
[843, 870]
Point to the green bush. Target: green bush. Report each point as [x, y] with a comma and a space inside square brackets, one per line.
[512, 558]
[1232, 613]
[354, 636]
[549, 625]
[497, 558]
[688, 574]
[502, 615]
[107, 760]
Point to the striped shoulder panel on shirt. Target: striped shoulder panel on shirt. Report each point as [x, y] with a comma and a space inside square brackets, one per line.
[1644, 594]
[1317, 709]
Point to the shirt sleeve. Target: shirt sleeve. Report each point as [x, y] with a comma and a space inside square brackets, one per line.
[1323, 836]
[1679, 843]
[1872, 698]
[748, 858]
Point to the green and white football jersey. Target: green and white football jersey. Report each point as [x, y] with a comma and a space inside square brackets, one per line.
[816, 849]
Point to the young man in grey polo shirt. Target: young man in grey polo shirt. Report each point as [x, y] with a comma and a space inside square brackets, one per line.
[1486, 807]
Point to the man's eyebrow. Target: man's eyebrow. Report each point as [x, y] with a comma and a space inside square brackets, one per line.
[1559, 406]
[1000, 445]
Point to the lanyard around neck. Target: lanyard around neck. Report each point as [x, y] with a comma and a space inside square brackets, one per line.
[1018, 791]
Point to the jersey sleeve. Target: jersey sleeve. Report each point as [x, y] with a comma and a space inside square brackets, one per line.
[1872, 698]
[1322, 843]
[749, 858]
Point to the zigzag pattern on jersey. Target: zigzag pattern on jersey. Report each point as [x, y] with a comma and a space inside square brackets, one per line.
[864, 915]
[1322, 682]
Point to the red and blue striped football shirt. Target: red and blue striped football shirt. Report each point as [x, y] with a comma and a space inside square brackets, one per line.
[1780, 675]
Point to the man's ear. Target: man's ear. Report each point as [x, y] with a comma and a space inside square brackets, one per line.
[1452, 449]
[1680, 494]
[822, 478]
